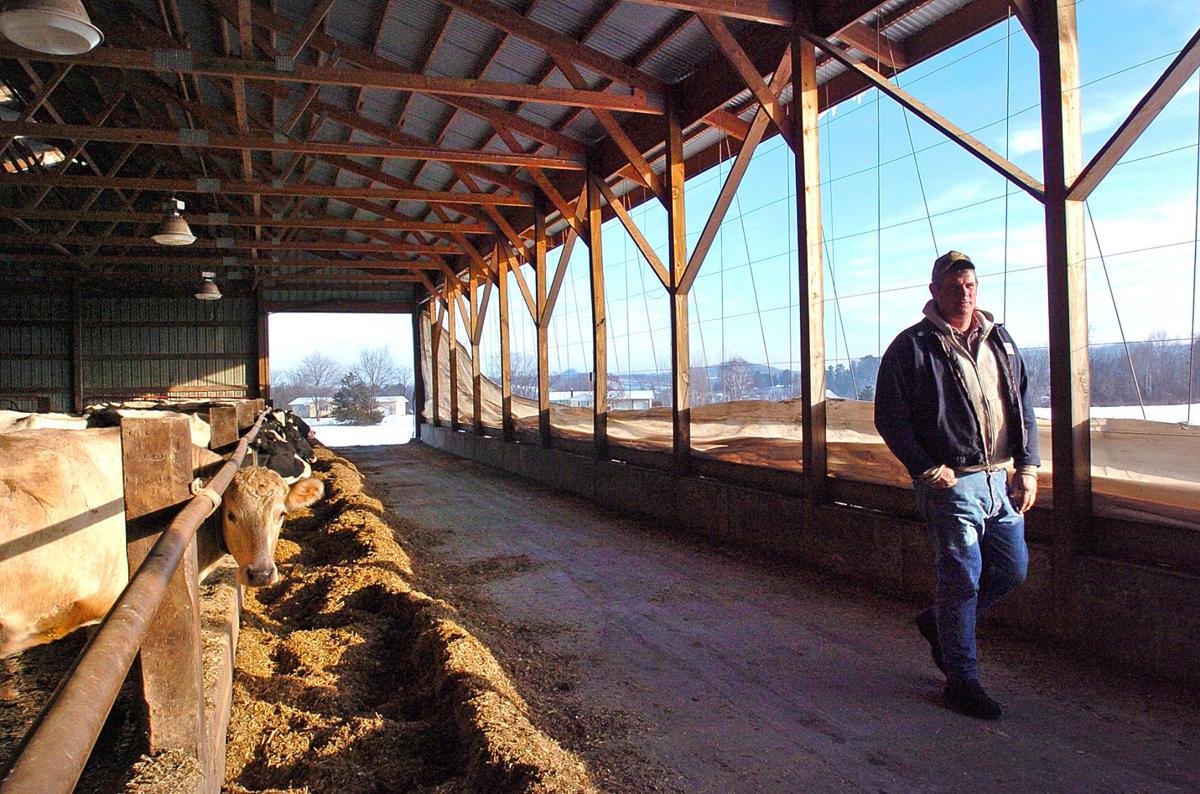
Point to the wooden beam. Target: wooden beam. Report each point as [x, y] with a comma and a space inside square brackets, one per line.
[419, 386]
[389, 222]
[1024, 11]
[769, 12]
[681, 411]
[758, 128]
[435, 343]
[27, 113]
[452, 303]
[610, 124]
[207, 139]
[211, 262]
[991, 159]
[560, 271]
[523, 286]
[743, 66]
[542, 325]
[506, 418]
[557, 45]
[884, 51]
[805, 108]
[219, 186]
[1147, 109]
[302, 36]
[599, 325]
[191, 62]
[476, 325]
[239, 245]
[1066, 288]
[635, 233]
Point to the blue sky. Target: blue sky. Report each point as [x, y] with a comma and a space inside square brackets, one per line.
[745, 300]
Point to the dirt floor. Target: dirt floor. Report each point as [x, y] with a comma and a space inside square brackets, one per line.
[668, 664]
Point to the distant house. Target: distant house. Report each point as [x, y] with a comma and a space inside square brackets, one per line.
[303, 407]
[634, 399]
[393, 404]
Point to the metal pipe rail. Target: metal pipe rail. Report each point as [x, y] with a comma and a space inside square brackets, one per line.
[56, 750]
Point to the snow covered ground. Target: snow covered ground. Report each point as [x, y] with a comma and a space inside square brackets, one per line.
[1154, 413]
[392, 430]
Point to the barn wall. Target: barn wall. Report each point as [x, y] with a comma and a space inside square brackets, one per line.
[35, 357]
[1130, 613]
[181, 346]
[128, 346]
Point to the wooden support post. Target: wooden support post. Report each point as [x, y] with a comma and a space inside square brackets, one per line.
[435, 344]
[812, 292]
[681, 411]
[263, 384]
[223, 424]
[418, 407]
[474, 329]
[1066, 270]
[542, 324]
[76, 348]
[452, 341]
[599, 322]
[506, 418]
[157, 461]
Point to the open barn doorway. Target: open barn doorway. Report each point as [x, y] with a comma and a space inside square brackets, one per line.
[350, 376]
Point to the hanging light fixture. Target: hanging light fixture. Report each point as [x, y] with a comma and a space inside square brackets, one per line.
[174, 230]
[55, 27]
[208, 287]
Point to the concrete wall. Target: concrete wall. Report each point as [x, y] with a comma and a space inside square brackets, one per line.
[1134, 615]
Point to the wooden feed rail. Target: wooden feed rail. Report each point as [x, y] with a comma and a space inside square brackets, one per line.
[157, 615]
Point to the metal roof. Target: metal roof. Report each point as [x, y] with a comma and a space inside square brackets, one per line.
[179, 80]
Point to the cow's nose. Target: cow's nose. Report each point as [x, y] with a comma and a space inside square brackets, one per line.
[260, 576]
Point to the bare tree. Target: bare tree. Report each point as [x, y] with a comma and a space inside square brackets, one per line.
[404, 379]
[737, 381]
[524, 376]
[316, 376]
[376, 368]
[701, 385]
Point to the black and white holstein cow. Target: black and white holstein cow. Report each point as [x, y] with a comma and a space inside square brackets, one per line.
[63, 559]
[283, 445]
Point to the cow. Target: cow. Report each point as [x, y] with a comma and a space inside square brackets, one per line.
[13, 421]
[63, 556]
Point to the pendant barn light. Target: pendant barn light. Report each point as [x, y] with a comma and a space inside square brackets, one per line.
[174, 230]
[208, 287]
[55, 27]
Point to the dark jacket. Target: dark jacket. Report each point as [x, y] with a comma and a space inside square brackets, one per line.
[924, 414]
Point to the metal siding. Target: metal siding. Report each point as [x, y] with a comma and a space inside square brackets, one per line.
[135, 346]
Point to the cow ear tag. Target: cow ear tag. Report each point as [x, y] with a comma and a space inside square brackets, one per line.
[1008, 348]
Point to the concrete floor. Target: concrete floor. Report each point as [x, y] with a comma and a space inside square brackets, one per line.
[721, 671]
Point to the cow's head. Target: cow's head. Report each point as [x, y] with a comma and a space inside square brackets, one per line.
[252, 514]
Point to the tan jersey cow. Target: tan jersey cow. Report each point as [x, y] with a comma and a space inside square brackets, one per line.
[62, 530]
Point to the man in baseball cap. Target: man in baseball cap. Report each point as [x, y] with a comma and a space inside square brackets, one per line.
[952, 403]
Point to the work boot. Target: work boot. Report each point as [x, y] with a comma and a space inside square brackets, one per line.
[927, 625]
[968, 697]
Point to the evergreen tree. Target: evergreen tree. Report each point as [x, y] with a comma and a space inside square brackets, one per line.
[354, 402]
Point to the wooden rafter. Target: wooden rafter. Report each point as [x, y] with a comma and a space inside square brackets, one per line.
[191, 62]
[754, 81]
[1144, 112]
[206, 139]
[987, 156]
[232, 187]
[635, 233]
[557, 45]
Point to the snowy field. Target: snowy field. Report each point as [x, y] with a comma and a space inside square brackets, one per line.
[1178, 414]
[392, 430]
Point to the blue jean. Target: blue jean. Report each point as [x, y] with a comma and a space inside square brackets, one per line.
[979, 555]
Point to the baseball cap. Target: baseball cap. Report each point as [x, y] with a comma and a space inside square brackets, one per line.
[950, 262]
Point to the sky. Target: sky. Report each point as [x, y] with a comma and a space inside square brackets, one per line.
[895, 193]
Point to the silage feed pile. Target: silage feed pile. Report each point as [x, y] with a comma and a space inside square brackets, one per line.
[348, 680]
